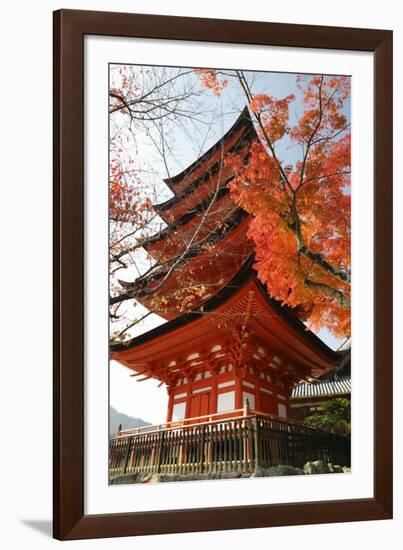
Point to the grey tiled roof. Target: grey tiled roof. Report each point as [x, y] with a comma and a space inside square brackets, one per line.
[322, 389]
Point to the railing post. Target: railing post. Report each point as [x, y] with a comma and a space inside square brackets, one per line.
[256, 435]
[129, 444]
[202, 449]
[160, 452]
[246, 409]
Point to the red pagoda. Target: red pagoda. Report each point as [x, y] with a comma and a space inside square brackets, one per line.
[227, 350]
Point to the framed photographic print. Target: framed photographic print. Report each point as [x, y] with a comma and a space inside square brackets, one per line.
[222, 274]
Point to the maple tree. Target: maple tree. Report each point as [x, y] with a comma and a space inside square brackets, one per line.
[300, 210]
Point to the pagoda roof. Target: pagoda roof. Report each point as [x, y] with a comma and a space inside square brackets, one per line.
[202, 207]
[212, 262]
[213, 238]
[186, 218]
[244, 120]
[275, 325]
[194, 185]
[202, 204]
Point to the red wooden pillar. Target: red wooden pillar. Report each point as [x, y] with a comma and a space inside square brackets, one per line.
[258, 406]
[171, 393]
[213, 395]
[189, 397]
[238, 391]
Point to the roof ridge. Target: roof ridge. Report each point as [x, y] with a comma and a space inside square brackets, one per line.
[243, 118]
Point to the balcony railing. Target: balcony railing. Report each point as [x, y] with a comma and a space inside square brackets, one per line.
[242, 443]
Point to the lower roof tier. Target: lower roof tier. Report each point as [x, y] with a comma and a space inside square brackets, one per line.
[241, 326]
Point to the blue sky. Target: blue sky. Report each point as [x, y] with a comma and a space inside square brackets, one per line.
[222, 111]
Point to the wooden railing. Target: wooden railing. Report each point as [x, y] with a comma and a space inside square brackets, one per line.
[240, 444]
[174, 424]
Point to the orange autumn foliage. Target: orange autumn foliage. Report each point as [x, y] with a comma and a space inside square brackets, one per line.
[301, 211]
[209, 79]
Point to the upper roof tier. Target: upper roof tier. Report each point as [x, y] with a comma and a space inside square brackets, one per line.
[207, 175]
[205, 241]
[242, 123]
[218, 215]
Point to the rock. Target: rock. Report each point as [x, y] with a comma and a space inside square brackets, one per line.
[280, 470]
[181, 477]
[316, 467]
[233, 475]
[124, 479]
[346, 470]
[196, 477]
[334, 468]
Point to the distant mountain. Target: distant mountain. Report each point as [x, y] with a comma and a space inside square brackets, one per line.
[116, 418]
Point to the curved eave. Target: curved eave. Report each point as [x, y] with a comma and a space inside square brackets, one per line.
[244, 119]
[211, 304]
[216, 237]
[292, 320]
[186, 218]
[163, 333]
[164, 208]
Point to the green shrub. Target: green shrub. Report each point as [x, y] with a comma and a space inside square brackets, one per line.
[336, 417]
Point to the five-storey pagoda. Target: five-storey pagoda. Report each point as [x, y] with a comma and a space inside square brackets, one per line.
[225, 342]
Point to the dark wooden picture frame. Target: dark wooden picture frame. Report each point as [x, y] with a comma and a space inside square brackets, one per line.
[70, 27]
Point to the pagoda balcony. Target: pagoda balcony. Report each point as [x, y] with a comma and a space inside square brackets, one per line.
[241, 440]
